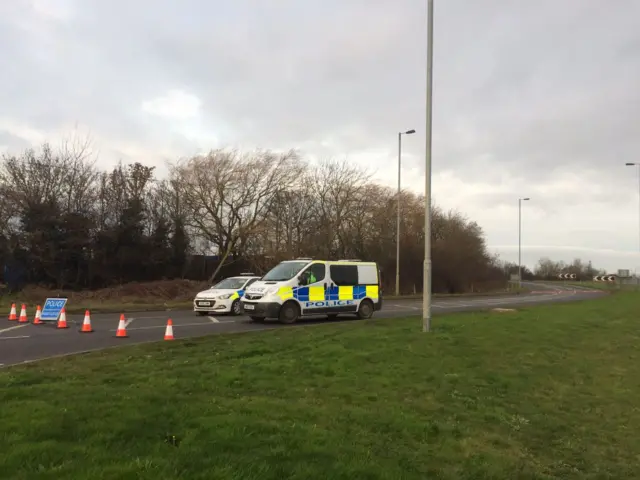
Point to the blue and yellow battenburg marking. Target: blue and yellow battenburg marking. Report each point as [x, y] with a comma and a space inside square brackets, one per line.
[237, 294]
[319, 293]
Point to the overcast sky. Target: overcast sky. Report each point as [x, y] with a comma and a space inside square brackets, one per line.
[531, 98]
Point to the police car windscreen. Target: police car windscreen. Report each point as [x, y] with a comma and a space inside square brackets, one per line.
[284, 271]
[230, 283]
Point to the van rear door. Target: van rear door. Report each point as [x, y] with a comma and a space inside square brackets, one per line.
[378, 306]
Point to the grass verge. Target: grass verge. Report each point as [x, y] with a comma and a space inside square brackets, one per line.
[548, 392]
[160, 295]
[130, 305]
[182, 299]
[608, 286]
[492, 293]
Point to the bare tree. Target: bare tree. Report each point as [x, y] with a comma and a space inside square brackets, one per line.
[228, 194]
[78, 191]
[252, 209]
[336, 187]
[289, 225]
[66, 177]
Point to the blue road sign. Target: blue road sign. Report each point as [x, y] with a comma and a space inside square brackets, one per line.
[52, 308]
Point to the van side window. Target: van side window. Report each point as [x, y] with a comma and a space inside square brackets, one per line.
[344, 274]
[368, 274]
[315, 273]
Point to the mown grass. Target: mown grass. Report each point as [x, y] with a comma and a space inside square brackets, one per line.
[550, 392]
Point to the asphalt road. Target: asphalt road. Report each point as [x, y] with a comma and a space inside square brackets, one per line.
[21, 343]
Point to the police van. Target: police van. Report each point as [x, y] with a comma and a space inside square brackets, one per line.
[308, 287]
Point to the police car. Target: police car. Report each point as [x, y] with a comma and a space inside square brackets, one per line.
[223, 297]
[308, 287]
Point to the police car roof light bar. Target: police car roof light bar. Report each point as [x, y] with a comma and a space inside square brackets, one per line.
[350, 260]
[247, 274]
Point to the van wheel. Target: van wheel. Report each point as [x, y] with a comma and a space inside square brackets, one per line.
[257, 319]
[365, 310]
[289, 313]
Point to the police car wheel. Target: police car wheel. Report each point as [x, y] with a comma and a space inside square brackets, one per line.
[235, 308]
[365, 310]
[289, 313]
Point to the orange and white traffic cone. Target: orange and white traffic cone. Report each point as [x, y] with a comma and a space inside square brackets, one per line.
[23, 315]
[62, 321]
[122, 328]
[12, 314]
[36, 320]
[86, 324]
[168, 333]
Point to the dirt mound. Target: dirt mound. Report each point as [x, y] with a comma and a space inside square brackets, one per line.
[163, 290]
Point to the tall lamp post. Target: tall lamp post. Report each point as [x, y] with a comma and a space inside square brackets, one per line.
[426, 282]
[520, 200]
[630, 164]
[408, 132]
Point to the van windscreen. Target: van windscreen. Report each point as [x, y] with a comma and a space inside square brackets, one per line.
[284, 271]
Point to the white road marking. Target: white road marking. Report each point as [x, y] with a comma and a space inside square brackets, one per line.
[11, 338]
[475, 303]
[13, 328]
[152, 318]
[214, 319]
[493, 302]
[150, 327]
[407, 306]
[128, 322]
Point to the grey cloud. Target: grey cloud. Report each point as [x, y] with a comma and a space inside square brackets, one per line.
[295, 75]
[8, 139]
[524, 88]
[553, 93]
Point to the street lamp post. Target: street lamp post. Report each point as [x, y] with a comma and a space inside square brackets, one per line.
[408, 132]
[520, 200]
[426, 282]
[630, 164]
